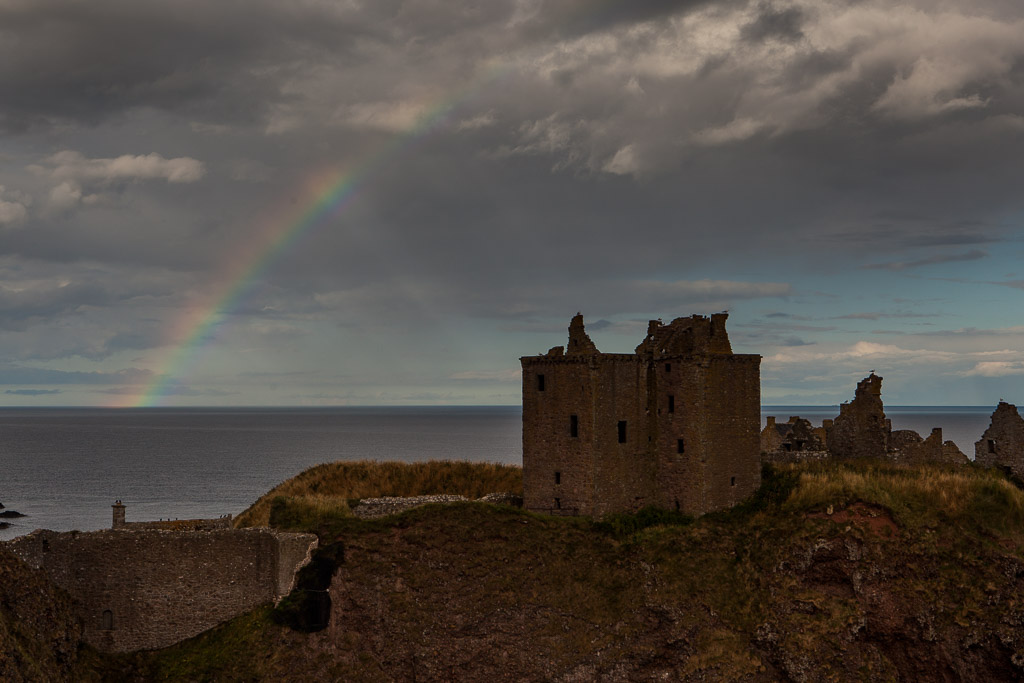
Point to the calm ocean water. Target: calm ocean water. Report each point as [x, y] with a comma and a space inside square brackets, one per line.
[64, 467]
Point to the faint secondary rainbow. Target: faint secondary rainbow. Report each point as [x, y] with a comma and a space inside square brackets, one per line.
[325, 193]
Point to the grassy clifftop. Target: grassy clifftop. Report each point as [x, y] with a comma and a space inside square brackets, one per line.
[324, 491]
[831, 572]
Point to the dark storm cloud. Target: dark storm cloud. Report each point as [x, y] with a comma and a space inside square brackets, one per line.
[67, 60]
[778, 24]
[608, 157]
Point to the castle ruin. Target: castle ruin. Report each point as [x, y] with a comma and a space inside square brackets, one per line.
[861, 430]
[674, 424]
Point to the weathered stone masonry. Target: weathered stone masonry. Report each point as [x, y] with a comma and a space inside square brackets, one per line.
[1002, 444]
[673, 425]
[139, 589]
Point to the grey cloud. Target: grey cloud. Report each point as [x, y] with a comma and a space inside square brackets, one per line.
[781, 24]
[877, 315]
[64, 60]
[972, 255]
[13, 374]
[32, 392]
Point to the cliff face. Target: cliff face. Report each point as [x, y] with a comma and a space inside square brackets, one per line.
[846, 596]
[833, 572]
[38, 633]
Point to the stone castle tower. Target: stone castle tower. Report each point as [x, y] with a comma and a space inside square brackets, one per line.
[675, 424]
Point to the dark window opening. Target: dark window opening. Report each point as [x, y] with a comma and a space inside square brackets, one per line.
[574, 426]
[558, 503]
[671, 403]
[732, 481]
[991, 446]
[108, 620]
[668, 367]
[46, 546]
[787, 446]
[677, 505]
[540, 382]
[680, 446]
[622, 431]
[558, 477]
[799, 445]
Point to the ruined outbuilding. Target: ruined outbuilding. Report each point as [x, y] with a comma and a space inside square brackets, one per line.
[674, 424]
[861, 430]
[1002, 444]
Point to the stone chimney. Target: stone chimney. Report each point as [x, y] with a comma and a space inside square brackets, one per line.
[118, 514]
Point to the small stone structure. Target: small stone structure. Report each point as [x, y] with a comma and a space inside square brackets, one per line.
[861, 430]
[1002, 444]
[139, 588]
[674, 424]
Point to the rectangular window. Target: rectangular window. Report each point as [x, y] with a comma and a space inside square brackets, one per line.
[668, 367]
[574, 426]
[558, 503]
[540, 382]
[558, 477]
[622, 431]
[680, 446]
[732, 481]
[671, 403]
[991, 446]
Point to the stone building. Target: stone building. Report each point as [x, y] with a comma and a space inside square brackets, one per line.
[1002, 444]
[674, 424]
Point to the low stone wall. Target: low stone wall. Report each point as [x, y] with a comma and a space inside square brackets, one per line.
[371, 508]
[138, 589]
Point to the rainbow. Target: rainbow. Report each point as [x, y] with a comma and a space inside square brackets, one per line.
[326, 193]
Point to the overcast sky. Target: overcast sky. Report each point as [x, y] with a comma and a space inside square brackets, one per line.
[844, 177]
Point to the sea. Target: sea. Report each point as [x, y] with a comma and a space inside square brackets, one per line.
[64, 467]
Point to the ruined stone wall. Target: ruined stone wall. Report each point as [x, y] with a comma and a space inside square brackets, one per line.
[861, 429]
[1002, 444]
[141, 589]
[907, 447]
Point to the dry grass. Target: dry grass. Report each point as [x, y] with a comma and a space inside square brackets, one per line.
[329, 485]
[916, 494]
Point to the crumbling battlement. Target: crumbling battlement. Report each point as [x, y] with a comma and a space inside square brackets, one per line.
[674, 425]
[138, 589]
[1002, 444]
